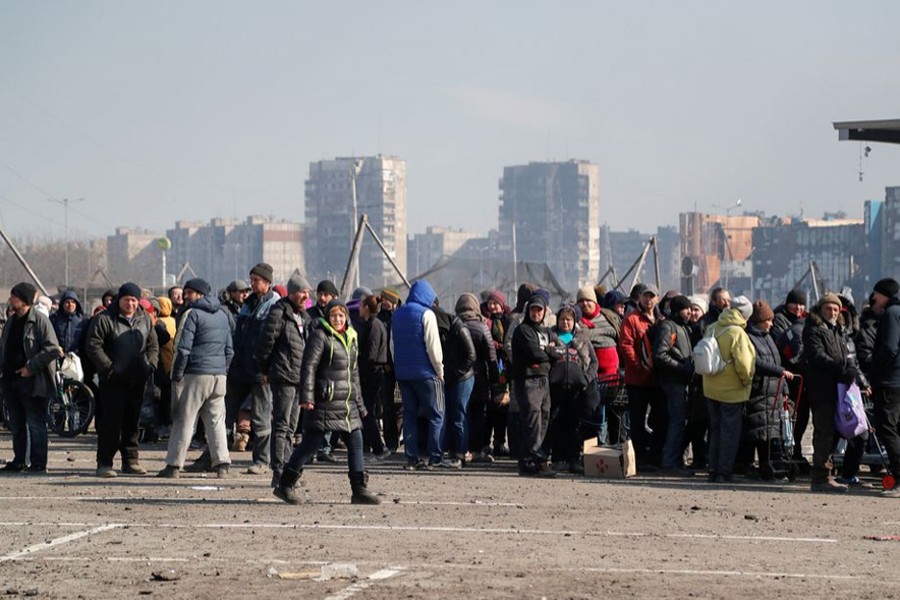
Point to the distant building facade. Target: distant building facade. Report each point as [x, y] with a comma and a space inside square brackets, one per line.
[378, 186]
[719, 248]
[223, 250]
[132, 254]
[550, 213]
[787, 254]
[219, 251]
[620, 250]
[424, 250]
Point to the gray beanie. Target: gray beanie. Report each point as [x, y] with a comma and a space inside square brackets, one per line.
[297, 283]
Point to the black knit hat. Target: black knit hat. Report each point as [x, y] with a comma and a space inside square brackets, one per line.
[796, 296]
[679, 303]
[327, 286]
[888, 287]
[201, 286]
[264, 270]
[129, 289]
[336, 304]
[24, 291]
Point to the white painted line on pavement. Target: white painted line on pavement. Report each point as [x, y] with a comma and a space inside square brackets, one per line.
[761, 538]
[439, 529]
[715, 573]
[57, 542]
[234, 500]
[510, 530]
[359, 586]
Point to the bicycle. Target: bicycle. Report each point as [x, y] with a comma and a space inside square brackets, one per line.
[71, 410]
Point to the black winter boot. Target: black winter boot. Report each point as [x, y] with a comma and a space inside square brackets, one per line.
[361, 495]
[286, 489]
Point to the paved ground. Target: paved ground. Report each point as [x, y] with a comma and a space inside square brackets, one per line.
[479, 533]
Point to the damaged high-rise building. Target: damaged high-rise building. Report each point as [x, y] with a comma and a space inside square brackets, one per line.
[339, 191]
[550, 214]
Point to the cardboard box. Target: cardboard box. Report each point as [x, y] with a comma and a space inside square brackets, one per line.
[611, 462]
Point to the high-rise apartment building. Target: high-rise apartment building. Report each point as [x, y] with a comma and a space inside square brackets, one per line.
[552, 212]
[339, 191]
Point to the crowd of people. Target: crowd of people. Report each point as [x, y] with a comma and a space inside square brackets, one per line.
[291, 373]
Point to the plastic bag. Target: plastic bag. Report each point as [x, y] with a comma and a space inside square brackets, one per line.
[850, 414]
[70, 367]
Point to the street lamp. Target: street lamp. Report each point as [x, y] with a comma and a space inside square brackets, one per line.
[65, 203]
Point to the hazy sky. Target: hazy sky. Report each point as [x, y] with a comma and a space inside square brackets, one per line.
[157, 111]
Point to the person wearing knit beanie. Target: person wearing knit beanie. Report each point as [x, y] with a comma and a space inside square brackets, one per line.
[30, 346]
[498, 297]
[391, 295]
[25, 292]
[586, 293]
[298, 283]
[796, 296]
[263, 270]
[129, 289]
[201, 286]
[701, 303]
[761, 312]
[679, 303]
[327, 287]
[887, 287]
[830, 298]
[743, 306]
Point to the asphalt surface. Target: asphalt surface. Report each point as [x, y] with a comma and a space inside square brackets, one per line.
[482, 532]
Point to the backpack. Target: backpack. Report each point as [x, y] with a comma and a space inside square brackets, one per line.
[645, 346]
[706, 354]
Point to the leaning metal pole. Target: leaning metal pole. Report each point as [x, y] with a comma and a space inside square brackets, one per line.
[386, 253]
[23, 262]
[353, 261]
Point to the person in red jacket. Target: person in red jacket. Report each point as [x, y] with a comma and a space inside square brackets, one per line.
[644, 392]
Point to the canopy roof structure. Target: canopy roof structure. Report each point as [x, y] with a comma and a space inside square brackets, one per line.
[887, 131]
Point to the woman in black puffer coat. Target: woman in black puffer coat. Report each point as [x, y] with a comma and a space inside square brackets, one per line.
[330, 392]
[762, 431]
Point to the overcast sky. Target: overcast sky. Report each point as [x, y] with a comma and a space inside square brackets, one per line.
[157, 111]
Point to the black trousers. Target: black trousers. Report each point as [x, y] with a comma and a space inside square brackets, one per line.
[391, 413]
[887, 416]
[648, 447]
[117, 420]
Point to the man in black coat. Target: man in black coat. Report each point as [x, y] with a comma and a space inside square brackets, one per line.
[28, 352]
[885, 372]
[534, 348]
[675, 369]
[828, 361]
[123, 345]
[279, 351]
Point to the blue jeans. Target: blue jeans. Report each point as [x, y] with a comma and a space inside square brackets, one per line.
[725, 420]
[27, 419]
[455, 430]
[676, 400]
[312, 442]
[423, 397]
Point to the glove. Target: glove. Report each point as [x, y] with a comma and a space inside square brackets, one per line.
[849, 375]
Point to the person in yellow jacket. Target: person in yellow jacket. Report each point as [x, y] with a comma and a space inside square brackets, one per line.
[726, 392]
[163, 373]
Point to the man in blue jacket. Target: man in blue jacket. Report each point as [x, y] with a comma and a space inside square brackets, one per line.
[419, 368]
[203, 352]
[885, 372]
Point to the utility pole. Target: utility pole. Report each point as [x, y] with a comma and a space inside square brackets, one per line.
[65, 202]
